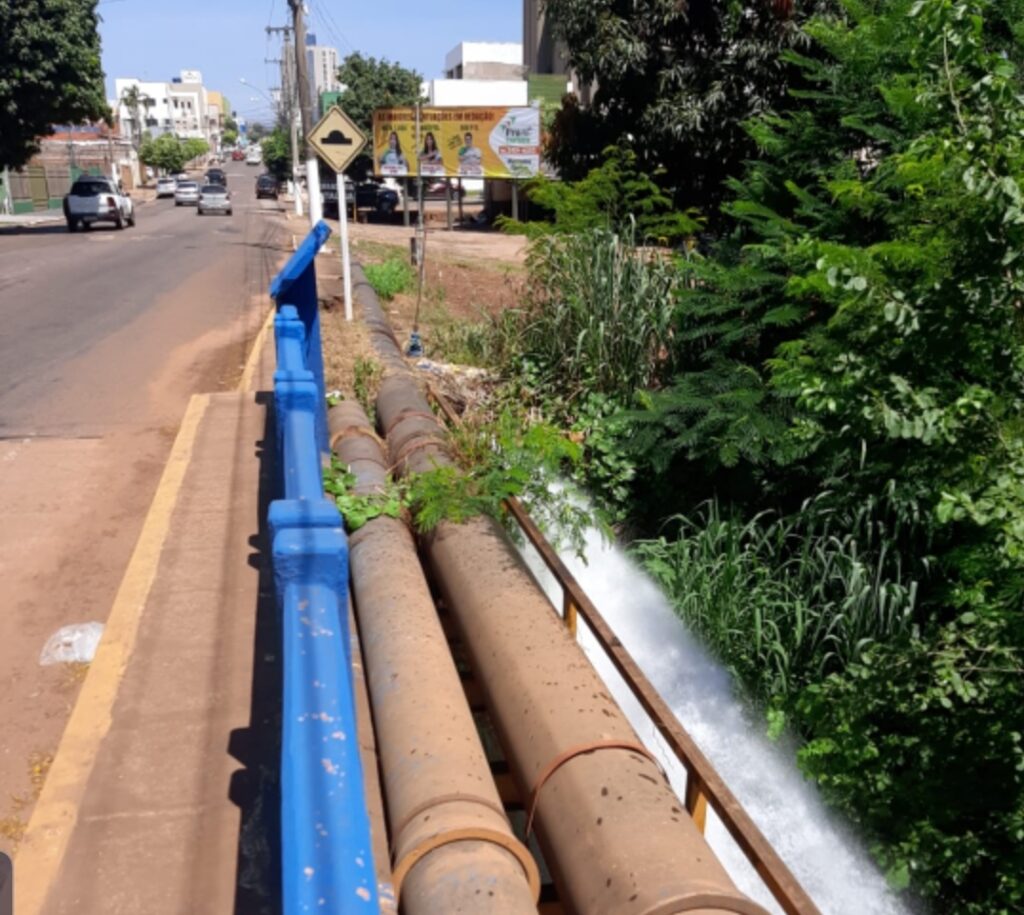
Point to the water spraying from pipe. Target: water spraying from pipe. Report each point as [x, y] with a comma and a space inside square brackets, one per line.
[825, 857]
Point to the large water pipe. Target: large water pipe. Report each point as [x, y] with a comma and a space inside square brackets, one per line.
[616, 838]
[452, 845]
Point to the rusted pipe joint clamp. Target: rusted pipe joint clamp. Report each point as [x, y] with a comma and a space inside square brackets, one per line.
[552, 767]
[505, 840]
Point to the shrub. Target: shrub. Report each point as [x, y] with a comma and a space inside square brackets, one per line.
[390, 278]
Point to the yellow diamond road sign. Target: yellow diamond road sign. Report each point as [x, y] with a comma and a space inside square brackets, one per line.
[337, 139]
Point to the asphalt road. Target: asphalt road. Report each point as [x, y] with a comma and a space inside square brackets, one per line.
[104, 335]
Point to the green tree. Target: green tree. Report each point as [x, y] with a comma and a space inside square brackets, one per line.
[674, 83]
[138, 103]
[50, 72]
[194, 148]
[277, 154]
[257, 131]
[371, 83]
[166, 152]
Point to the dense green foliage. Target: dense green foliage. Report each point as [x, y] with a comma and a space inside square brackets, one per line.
[858, 339]
[615, 195]
[786, 601]
[371, 83]
[277, 153]
[50, 72]
[498, 457]
[169, 153]
[391, 277]
[674, 83]
[841, 372]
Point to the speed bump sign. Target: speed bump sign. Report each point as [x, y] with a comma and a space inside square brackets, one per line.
[336, 139]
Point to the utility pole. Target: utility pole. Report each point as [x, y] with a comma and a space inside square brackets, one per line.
[306, 108]
[289, 100]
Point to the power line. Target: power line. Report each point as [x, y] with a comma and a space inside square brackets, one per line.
[325, 16]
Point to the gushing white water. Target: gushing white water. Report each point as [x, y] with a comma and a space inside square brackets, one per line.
[828, 861]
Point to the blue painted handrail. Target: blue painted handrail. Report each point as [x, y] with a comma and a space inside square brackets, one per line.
[326, 857]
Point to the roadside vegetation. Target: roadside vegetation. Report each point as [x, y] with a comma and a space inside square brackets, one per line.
[795, 378]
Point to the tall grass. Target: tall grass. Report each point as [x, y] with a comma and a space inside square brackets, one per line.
[783, 601]
[599, 314]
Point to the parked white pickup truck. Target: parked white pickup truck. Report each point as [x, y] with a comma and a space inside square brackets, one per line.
[97, 199]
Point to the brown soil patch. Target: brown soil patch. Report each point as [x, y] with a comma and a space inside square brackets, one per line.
[469, 277]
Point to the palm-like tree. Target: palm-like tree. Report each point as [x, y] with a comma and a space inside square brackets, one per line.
[134, 100]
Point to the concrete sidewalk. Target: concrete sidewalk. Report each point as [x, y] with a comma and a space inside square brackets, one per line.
[165, 801]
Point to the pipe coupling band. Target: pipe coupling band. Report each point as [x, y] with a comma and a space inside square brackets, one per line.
[720, 902]
[501, 838]
[552, 767]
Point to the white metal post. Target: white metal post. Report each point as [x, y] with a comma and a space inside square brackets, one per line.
[346, 263]
[316, 209]
[296, 162]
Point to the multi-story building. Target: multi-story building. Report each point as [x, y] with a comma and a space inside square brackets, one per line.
[181, 107]
[321, 68]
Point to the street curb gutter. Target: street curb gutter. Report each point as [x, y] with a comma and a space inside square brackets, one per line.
[253, 361]
[38, 860]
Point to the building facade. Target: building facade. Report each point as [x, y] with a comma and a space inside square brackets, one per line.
[181, 107]
[322, 69]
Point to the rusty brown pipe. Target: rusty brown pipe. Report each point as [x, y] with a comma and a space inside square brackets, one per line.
[617, 839]
[453, 847]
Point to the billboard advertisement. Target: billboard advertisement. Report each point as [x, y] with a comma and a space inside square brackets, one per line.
[457, 142]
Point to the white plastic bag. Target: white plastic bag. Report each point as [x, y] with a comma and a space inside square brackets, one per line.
[71, 644]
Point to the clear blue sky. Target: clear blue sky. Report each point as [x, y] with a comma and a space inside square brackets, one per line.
[226, 39]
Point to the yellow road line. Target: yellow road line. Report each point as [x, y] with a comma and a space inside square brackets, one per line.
[245, 382]
[46, 839]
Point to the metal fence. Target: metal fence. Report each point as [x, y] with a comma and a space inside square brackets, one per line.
[326, 857]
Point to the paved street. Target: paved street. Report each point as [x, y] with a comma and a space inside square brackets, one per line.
[104, 335]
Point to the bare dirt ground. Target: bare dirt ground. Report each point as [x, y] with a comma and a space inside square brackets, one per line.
[469, 275]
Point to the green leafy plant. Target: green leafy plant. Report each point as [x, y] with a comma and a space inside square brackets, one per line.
[390, 278]
[501, 458]
[613, 196]
[358, 509]
[366, 378]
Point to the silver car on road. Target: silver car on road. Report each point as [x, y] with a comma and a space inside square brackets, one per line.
[186, 193]
[214, 198]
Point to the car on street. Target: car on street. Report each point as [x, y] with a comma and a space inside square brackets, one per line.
[186, 194]
[213, 198]
[254, 156]
[266, 186]
[165, 186]
[367, 194]
[94, 198]
[237, 155]
[216, 176]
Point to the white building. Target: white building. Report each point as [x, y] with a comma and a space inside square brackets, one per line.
[493, 60]
[322, 69]
[480, 73]
[181, 107]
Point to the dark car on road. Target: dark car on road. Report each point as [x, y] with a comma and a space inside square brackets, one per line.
[266, 186]
[369, 195]
[216, 176]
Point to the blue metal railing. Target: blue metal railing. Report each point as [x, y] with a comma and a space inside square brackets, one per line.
[326, 857]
